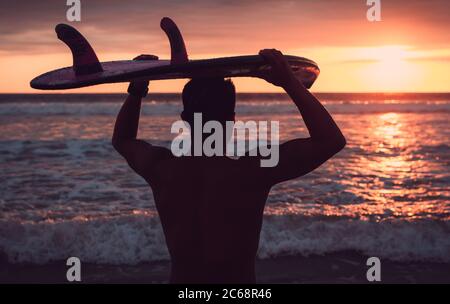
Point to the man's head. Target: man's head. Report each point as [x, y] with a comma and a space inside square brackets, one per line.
[215, 98]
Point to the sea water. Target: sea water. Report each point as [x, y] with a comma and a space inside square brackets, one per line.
[64, 191]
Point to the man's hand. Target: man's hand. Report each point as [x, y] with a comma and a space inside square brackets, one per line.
[281, 73]
[139, 87]
[300, 156]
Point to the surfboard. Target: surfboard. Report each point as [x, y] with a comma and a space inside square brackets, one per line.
[87, 70]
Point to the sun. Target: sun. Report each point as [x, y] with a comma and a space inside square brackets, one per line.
[390, 53]
[390, 70]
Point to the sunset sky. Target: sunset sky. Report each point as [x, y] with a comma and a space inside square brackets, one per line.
[408, 51]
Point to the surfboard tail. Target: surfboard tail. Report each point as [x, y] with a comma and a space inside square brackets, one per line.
[85, 60]
[178, 52]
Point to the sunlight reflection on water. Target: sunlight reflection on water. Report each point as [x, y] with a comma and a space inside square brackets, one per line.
[396, 165]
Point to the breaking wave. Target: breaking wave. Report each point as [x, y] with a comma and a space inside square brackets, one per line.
[139, 238]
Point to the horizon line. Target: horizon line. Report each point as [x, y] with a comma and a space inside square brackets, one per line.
[253, 92]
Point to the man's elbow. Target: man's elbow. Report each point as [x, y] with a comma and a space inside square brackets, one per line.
[116, 143]
[339, 143]
[334, 145]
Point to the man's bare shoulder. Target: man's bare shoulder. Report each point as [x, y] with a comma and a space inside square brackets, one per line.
[160, 161]
[163, 152]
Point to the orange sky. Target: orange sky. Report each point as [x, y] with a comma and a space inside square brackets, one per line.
[408, 51]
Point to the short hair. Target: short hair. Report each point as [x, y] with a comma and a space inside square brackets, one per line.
[213, 97]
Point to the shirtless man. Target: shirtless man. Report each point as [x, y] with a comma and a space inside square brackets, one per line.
[211, 208]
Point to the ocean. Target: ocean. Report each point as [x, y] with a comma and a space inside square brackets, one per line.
[64, 191]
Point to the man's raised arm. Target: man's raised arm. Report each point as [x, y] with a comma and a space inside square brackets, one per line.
[300, 156]
[140, 155]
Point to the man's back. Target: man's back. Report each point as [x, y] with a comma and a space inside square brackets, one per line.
[211, 210]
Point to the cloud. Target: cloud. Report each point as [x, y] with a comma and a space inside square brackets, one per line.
[410, 59]
[358, 61]
[213, 26]
[429, 58]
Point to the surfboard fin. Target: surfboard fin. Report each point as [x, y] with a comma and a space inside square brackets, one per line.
[178, 52]
[85, 60]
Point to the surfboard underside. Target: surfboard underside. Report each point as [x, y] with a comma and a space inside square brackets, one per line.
[305, 70]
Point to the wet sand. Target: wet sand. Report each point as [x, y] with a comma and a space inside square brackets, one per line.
[336, 268]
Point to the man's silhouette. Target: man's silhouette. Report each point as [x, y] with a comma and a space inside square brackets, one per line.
[211, 208]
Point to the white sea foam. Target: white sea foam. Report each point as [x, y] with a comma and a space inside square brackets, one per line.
[139, 238]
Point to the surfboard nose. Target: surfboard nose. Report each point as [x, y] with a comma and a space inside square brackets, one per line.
[85, 60]
[178, 52]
